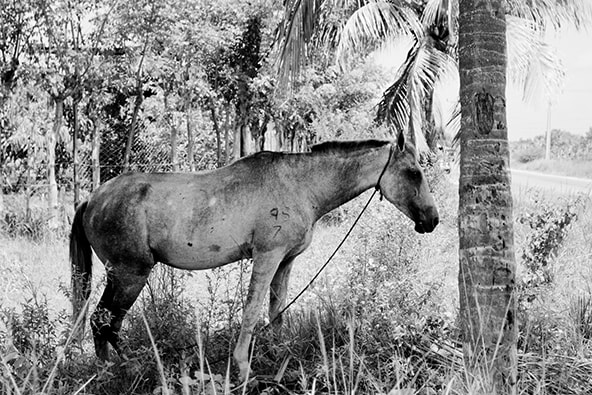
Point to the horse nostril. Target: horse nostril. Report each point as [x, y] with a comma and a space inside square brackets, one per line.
[435, 222]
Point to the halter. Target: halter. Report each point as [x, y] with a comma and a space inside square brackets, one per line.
[392, 149]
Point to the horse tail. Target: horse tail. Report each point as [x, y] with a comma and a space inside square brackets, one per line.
[81, 258]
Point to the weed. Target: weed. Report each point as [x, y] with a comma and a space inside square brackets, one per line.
[580, 313]
[549, 224]
[33, 227]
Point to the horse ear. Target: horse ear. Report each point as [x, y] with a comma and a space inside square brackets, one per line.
[401, 141]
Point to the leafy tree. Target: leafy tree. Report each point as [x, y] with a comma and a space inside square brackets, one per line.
[237, 80]
[18, 22]
[59, 64]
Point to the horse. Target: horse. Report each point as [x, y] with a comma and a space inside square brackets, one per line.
[263, 206]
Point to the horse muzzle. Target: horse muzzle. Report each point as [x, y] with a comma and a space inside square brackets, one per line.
[427, 222]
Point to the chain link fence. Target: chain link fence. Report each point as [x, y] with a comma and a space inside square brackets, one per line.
[24, 182]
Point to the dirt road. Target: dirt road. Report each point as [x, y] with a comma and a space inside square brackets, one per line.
[523, 181]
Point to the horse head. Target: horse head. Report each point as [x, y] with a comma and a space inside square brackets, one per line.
[404, 184]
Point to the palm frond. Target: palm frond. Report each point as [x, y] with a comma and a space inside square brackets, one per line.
[435, 12]
[401, 104]
[294, 35]
[393, 108]
[376, 21]
[453, 125]
[552, 13]
[532, 63]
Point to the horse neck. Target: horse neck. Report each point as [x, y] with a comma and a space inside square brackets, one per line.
[336, 178]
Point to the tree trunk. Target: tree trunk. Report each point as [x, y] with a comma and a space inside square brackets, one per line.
[1, 191]
[189, 135]
[51, 139]
[218, 134]
[281, 137]
[227, 136]
[548, 134]
[28, 188]
[487, 262]
[242, 133]
[75, 158]
[174, 158]
[246, 139]
[95, 154]
[430, 132]
[1, 194]
[130, 137]
[236, 141]
[170, 119]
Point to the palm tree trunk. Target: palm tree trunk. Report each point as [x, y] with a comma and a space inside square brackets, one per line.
[487, 262]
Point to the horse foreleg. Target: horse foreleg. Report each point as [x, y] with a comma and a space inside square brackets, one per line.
[264, 267]
[121, 292]
[278, 292]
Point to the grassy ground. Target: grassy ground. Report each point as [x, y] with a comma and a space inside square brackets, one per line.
[381, 318]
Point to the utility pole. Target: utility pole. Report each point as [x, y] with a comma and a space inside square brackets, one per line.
[548, 134]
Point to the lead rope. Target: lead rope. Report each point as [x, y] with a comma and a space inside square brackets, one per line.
[376, 189]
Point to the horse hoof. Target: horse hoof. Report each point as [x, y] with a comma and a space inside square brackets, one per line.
[248, 385]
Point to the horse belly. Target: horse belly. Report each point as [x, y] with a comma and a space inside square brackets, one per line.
[206, 253]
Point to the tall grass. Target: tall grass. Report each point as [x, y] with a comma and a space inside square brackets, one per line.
[381, 319]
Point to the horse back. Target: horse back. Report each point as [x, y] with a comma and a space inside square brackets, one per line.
[197, 220]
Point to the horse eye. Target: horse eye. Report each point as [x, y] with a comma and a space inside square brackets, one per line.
[414, 174]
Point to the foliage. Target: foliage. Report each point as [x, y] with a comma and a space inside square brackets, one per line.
[549, 223]
[23, 224]
[564, 146]
[528, 154]
[25, 216]
[31, 342]
[171, 317]
[548, 325]
[328, 105]
[581, 314]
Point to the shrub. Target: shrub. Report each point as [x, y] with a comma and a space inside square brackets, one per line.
[31, 226]
[543, 328]
[580, 312]
[549, 223]
[170, 315]
[31, 342]
[528, 154]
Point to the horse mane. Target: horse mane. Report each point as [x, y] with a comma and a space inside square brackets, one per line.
[347, 146]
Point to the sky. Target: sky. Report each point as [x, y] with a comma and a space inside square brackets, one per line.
[571, 109]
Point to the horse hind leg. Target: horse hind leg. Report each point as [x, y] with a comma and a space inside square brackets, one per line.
[264, 266]
[122, 290]
[278, 291]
